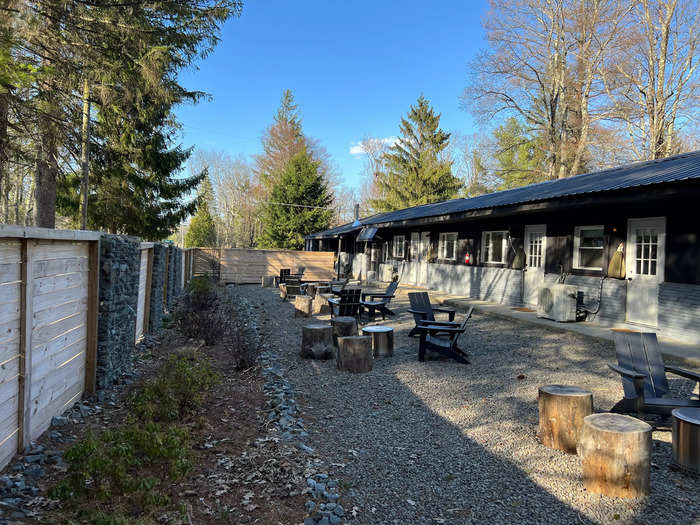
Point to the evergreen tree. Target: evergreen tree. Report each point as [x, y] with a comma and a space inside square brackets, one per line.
[520, 158]
[202, 230]
[416, 170]
[300, 184]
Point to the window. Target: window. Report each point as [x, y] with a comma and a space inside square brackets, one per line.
[647, 251]
[588, 247]
[493, 247]
[447, 246]
[399, 243]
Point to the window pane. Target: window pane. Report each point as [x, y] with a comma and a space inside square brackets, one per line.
[450, 249]
[639, 250]
[497, 246]
[652, 270]
[639, 267]
[590, 258]
[645, 251]
[645, 268]
[592, 238]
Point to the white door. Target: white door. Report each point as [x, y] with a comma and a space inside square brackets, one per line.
[415, 251]
[645, 256]
[535, 249]
[422, 278]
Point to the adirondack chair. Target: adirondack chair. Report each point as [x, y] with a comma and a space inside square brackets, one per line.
[347, 304]
[338, 285]
[379, 302]
[424, 312]
[644, 376]
[443, 339]
[284, 273]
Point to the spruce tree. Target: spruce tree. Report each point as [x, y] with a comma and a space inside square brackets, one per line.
[202, 230]
[520, 158]
[415, 168]
[299, 204]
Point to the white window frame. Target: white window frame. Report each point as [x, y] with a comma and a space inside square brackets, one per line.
[442, 246]
[399, 242]
[504, 246]
[577, 245]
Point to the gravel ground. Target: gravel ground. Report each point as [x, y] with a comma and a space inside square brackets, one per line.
[440, 442]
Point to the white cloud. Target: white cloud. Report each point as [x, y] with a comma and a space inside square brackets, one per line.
[357, 148]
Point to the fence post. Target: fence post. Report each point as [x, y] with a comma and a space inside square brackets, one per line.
[147, 303]
[25, 346]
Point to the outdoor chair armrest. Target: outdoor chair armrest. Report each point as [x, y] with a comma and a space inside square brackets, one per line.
[683, 373]
[382, 295]
[444, 309]
[636, 377]
[418, 312]
[424, 322]
[334, 300]
[440, 328]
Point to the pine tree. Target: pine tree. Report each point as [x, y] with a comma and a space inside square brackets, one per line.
[520, 158]
[202, 230]
[300, 184]
[415, 169]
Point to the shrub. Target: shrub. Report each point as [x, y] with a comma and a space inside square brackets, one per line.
[198, 315]
[111, 464]
[176, 392]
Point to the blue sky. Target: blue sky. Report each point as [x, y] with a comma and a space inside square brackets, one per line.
[354, 68]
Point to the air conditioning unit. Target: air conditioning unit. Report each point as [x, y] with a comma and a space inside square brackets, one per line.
[557, 302]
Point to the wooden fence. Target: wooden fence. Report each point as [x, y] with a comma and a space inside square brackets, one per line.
[48, 328]
[143, 303]
[245, 266]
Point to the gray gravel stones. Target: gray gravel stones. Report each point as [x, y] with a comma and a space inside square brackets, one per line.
[439, 442]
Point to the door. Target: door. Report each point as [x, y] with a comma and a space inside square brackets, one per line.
[422, 278]
[646, 239]
[415, 252]
[535, 249]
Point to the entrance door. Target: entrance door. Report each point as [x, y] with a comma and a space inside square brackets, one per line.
[415, 252]
[645, 268]
[422, 278]
[535, 248]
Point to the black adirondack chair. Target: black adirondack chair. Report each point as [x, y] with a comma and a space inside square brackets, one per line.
[346, 304]
[338, 285]
[644, 376]
[379, 302]
[284, 273]
[443, 340]
[424, 312]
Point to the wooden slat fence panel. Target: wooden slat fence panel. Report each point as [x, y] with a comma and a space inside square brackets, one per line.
[59, 328]
[141, 301]
[244, 266]
[10, 292]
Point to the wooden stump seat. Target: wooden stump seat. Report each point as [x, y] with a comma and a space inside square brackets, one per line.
[562, 409]
[354, 354]
[302, 306]
[343, 326]
[321, 304]
[283, 291]
[317, 341]
[615, 455]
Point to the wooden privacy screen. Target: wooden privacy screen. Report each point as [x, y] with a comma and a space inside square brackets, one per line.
[143, 304]
[243, 266]
[48, 329]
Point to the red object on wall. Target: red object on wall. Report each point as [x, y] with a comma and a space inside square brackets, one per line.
[467, 258]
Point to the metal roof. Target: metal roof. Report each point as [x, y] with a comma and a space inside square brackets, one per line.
[681, 167]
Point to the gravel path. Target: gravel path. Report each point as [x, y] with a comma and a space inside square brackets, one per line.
[440, 442]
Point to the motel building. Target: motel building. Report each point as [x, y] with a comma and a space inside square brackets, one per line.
[614, 247]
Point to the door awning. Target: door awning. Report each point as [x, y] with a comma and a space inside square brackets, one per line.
[367, 234]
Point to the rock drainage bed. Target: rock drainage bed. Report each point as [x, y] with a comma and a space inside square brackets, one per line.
[440, 442]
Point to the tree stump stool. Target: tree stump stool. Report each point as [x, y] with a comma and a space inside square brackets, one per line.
[302, 306]
[615, 452]
[283, 291]
[267, 281]
[343, 327]
[382, 340]
[562, 409]
[321, 304]
[354, 354]
[317, 341]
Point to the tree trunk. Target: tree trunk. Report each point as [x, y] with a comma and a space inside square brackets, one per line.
[46, 173]
[85, 153]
